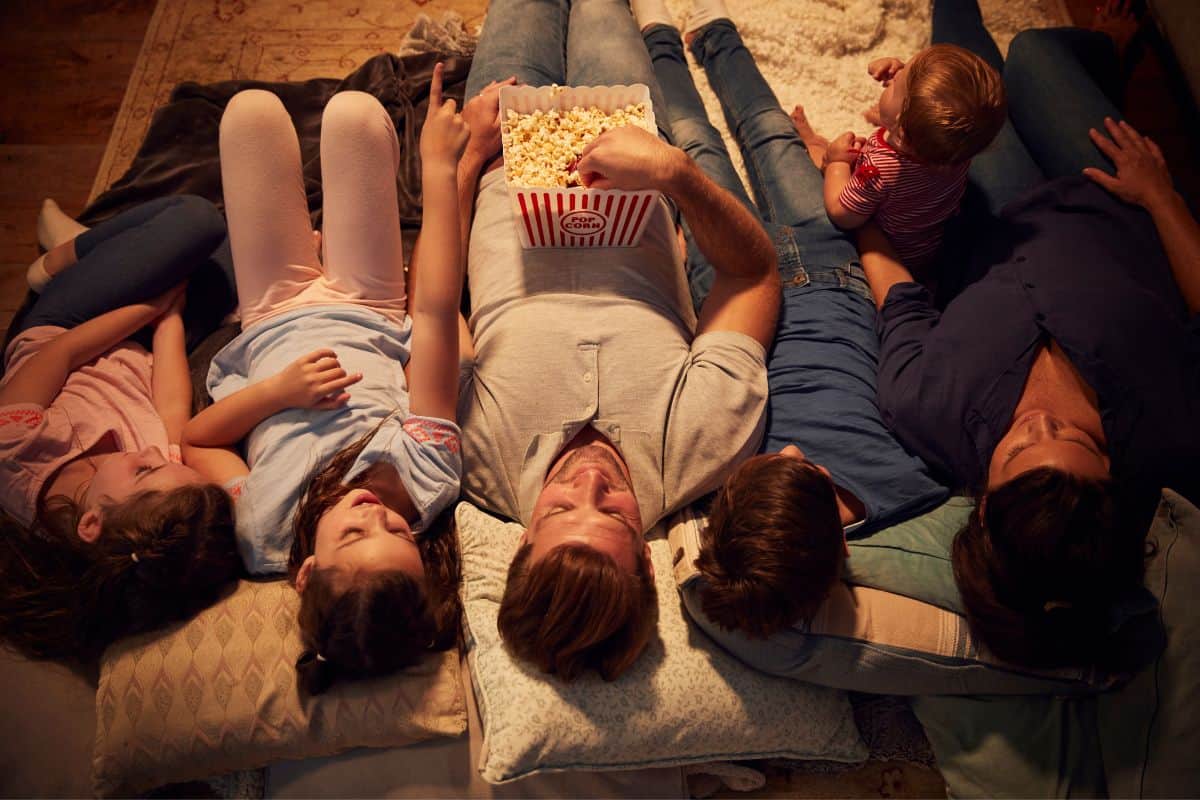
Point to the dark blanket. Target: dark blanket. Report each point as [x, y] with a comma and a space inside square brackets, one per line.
[180, 156]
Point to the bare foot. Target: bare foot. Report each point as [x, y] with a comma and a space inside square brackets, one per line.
[813, 141]
[1116, 19]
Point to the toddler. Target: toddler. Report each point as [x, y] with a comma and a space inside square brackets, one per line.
[936, 112]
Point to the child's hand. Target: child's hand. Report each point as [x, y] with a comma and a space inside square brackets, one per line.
[482, 115]
[313, 381]
[445, 134]
[170, 301]
[845, 148]
[884, 69]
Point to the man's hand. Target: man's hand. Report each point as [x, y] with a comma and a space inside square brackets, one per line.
[482, 115]
[1142, 176]
[845, 148]
[445, 134]
[884, 69]
[315, 380]
[632, 159]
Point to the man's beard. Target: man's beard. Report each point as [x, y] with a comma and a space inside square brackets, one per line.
[593, 452]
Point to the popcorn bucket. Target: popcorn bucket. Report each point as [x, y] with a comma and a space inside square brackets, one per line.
[575, 216]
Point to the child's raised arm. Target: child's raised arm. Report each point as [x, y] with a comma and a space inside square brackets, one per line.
[40, 379]
[839, 160]
[170, 383]
[436, 269]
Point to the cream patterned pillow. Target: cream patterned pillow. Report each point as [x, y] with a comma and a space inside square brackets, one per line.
[218, 694]
[685, 701]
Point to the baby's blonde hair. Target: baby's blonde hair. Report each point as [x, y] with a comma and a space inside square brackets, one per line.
[955, 105]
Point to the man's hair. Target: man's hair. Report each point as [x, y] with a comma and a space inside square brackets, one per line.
[955, 106]
[773, 547]
[1041, 562]
[575, 609]
[365, 624]
[161, 556]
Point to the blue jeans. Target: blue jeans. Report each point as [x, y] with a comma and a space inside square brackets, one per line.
[139, 254]
[579, 43]
[787, 187]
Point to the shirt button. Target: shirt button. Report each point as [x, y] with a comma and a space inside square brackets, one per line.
[587, 377]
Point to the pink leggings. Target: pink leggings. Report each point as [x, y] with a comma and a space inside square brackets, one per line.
[274, 255]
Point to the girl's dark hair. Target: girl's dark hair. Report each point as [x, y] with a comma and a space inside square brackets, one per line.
[1041, 563]
[160, 557]
[773, 548]
[366, 624]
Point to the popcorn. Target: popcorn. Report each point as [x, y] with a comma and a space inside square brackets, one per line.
[542, 147]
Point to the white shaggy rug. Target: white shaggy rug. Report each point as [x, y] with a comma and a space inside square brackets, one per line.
[815, 52]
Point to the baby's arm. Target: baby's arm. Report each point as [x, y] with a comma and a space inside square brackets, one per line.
[839, 160]
[40, 379]
[436, 270]
[170, 383]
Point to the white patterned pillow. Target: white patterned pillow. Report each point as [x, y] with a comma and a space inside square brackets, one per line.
[685, 701]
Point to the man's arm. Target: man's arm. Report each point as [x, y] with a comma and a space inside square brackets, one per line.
[1144, 179]
[745, 292]
[40, 379]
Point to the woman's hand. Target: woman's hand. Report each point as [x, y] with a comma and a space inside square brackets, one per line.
[630, 158]
[445, 134]
[482, 115]
[845, 148]
[884, 69]
[316, 380]
[1142, 175]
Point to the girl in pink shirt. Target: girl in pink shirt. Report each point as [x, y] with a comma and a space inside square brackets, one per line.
[106, 533]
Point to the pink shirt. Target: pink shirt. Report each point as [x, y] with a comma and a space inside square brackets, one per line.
[110, 394]
[908, 199]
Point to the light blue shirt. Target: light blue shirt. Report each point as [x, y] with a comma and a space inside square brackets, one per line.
[286, 449]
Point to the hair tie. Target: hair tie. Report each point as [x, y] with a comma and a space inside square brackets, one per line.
[133, 555]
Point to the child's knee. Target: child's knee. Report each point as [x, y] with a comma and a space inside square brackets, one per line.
[252, 108]
[351, 110]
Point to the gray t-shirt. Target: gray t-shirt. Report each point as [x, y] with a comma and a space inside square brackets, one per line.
[567, 338]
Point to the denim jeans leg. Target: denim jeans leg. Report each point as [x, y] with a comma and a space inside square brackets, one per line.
[786, 184]
[605, 48]
[130, 258]
[1055, 93]
[684, 113]
[525, 38]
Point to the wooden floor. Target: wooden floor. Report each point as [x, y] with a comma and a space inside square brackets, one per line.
[65, 66]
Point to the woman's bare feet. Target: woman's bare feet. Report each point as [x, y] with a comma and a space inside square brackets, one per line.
[54, 226]
[815, 142]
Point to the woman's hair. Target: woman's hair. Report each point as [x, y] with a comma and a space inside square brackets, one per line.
[161, 556]
[576, 609]
[773, 547]
[1040, 564]
[955, 106]
[358, 625]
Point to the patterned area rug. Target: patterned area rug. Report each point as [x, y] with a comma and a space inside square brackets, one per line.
[812, 51]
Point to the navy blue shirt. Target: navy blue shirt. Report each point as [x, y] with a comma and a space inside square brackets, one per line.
[821, 372]
[1070, 262]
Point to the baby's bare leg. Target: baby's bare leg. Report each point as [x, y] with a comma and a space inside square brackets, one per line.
[815, 143]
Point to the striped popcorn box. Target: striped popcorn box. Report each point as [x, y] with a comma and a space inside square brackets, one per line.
[575, 216]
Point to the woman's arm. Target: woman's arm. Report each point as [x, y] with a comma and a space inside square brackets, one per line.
[880, 263]
[1143, 179]
[40, 379]
[316, 381]
[436, 269]
[170, 382]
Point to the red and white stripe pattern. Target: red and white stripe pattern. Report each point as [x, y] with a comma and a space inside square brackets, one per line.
[908, 199]
[581, 217]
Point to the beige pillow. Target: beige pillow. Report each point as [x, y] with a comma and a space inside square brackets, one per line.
[685, 701]
[219, 694]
